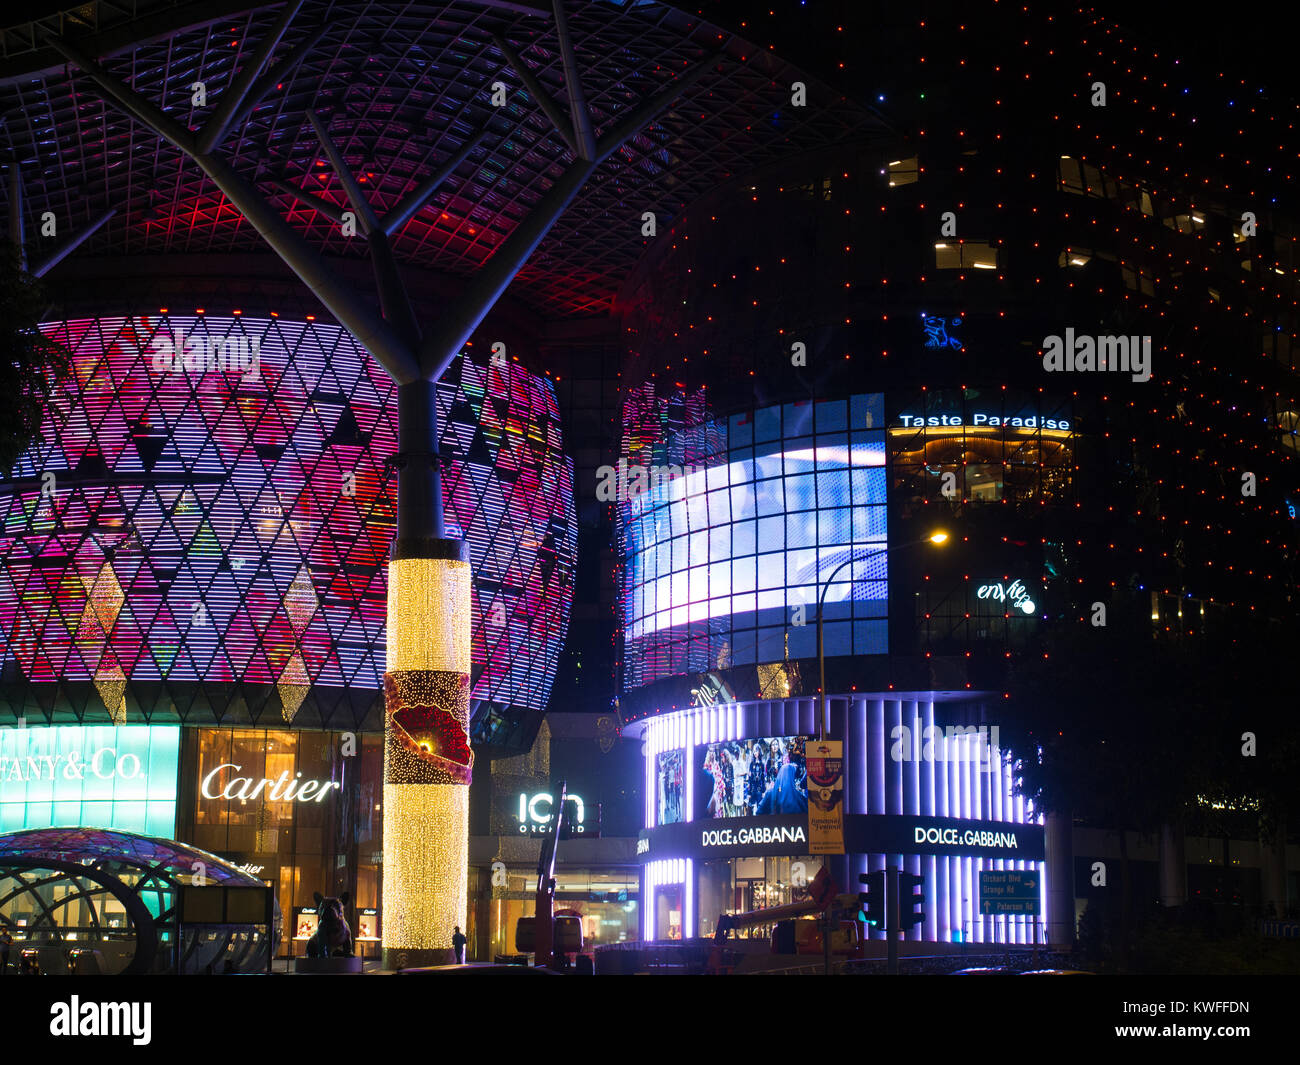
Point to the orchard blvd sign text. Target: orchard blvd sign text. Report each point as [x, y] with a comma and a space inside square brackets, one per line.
[282, 789]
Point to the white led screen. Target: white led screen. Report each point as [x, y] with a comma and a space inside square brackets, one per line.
[719, 560]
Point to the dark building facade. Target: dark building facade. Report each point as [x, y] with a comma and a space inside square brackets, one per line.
[1061, 337]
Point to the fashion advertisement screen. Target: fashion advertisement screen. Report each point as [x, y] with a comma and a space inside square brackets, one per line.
[671, 777]
[752, 778]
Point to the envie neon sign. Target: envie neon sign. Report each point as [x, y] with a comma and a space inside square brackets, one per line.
[1015, 593]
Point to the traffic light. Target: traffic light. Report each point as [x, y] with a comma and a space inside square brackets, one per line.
[911, 899]
[872, 900]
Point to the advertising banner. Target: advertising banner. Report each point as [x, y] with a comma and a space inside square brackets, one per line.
[825, 796]
[759, 777]
[93, 776]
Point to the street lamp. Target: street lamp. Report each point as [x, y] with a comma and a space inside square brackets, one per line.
[937, 538]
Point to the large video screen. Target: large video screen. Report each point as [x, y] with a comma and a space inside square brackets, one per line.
[211, 501]
[740, 525]
[752, 778]
[98, 776]
[670, 777]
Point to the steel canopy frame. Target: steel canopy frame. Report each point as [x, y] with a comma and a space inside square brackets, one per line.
[428, 760]
[412, 356]
[407, 86]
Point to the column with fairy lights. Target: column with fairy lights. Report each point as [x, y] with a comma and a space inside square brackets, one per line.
[427, 756]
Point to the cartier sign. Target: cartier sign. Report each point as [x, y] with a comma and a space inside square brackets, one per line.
[218, 785]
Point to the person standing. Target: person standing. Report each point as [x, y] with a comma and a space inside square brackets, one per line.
[740, 774]
[717, 801]
[6, 945]
[728, 783]
[458, 942]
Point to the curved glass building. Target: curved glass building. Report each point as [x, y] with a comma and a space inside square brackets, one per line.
[201, 535]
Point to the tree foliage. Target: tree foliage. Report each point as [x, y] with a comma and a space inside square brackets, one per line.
[31, 365]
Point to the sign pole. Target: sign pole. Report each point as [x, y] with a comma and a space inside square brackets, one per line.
[892, 928]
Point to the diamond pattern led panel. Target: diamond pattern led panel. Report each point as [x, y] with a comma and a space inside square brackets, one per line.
[233, 524]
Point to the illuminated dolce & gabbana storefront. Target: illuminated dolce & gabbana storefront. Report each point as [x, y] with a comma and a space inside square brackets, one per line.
[924, 789]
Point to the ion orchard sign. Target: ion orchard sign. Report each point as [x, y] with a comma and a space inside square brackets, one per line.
[282, 789]
[536, 811]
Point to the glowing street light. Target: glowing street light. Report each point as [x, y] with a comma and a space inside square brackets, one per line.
[938, 537]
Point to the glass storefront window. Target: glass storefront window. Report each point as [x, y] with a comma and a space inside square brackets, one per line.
[668, 911]
[739, 885]
[294, 810]
[605, 899]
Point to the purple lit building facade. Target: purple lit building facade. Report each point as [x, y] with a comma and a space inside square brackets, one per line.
[722, 569]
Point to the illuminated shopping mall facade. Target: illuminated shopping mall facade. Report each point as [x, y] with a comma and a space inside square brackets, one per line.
[831, 348]
[199, 547]
[844, 353]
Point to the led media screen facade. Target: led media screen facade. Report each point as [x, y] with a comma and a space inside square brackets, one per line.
[743, 520]
[753, 778]
[738, 778]
[90, 776]
[212, 503]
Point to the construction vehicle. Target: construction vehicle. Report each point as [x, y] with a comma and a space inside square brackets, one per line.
[549, 937]
[792, 936]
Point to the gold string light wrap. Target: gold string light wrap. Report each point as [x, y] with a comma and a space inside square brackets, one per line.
[427, 759]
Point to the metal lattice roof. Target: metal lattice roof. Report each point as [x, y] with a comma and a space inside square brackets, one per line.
[401, 87]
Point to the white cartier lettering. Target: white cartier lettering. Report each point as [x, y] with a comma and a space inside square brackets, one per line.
[282, 789]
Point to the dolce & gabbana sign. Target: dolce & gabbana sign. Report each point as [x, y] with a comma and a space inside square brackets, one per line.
[970, 837]
[895, 834]
[751, 834]
[726, 837]
[742, 837]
